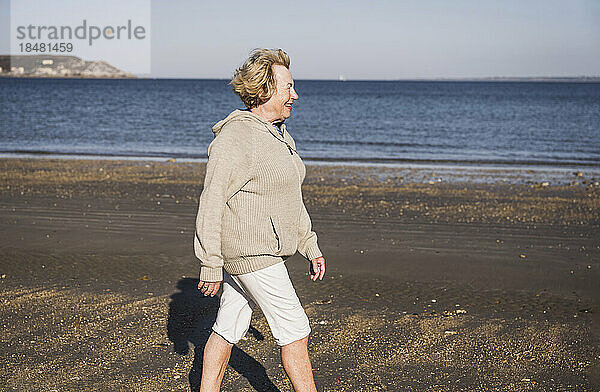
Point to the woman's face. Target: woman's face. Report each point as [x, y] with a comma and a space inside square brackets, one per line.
[279, 106]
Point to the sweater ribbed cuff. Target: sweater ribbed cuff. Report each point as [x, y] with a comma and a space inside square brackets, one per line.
[313, 252]
[211, 274]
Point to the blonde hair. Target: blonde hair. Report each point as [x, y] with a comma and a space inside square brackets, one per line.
[254, 81]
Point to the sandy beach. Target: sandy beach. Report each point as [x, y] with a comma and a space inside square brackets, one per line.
[466, 285]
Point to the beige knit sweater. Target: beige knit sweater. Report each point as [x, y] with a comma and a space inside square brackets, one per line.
[251, 208]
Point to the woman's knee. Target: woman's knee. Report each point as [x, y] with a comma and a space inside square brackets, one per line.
[302, 341]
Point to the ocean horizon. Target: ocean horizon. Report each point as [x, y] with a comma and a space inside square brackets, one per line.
[446, 122]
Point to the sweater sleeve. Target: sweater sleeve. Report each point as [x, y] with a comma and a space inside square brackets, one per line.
[307, 239]
[228, 168]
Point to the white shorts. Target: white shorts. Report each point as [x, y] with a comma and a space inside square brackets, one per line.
[271, 289]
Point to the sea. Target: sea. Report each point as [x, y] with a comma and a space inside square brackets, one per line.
[484, 124]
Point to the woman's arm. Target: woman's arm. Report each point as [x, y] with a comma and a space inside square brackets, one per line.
[307, 239]
[228, 168]
[308, 247]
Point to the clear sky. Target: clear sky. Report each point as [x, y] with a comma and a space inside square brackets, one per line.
[379, 39]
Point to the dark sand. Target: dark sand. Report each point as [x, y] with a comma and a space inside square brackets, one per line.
[430, 287]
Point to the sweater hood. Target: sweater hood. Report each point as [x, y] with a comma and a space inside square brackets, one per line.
[257, 122]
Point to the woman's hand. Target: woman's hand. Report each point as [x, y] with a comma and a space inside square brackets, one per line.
[317, 268]
[209, 288]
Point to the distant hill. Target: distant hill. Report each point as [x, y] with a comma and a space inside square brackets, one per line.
[36, 66]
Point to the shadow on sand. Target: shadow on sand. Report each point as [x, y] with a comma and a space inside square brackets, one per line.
[191, 316]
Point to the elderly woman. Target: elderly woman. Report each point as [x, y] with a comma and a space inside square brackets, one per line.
[251, 218]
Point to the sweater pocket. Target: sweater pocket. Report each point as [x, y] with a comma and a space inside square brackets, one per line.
[276, 234]
[285, 236]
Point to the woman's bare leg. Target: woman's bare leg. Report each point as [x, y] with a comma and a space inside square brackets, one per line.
[216, 357]
[297, 365]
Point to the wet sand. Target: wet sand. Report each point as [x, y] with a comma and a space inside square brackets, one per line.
[461, 286]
